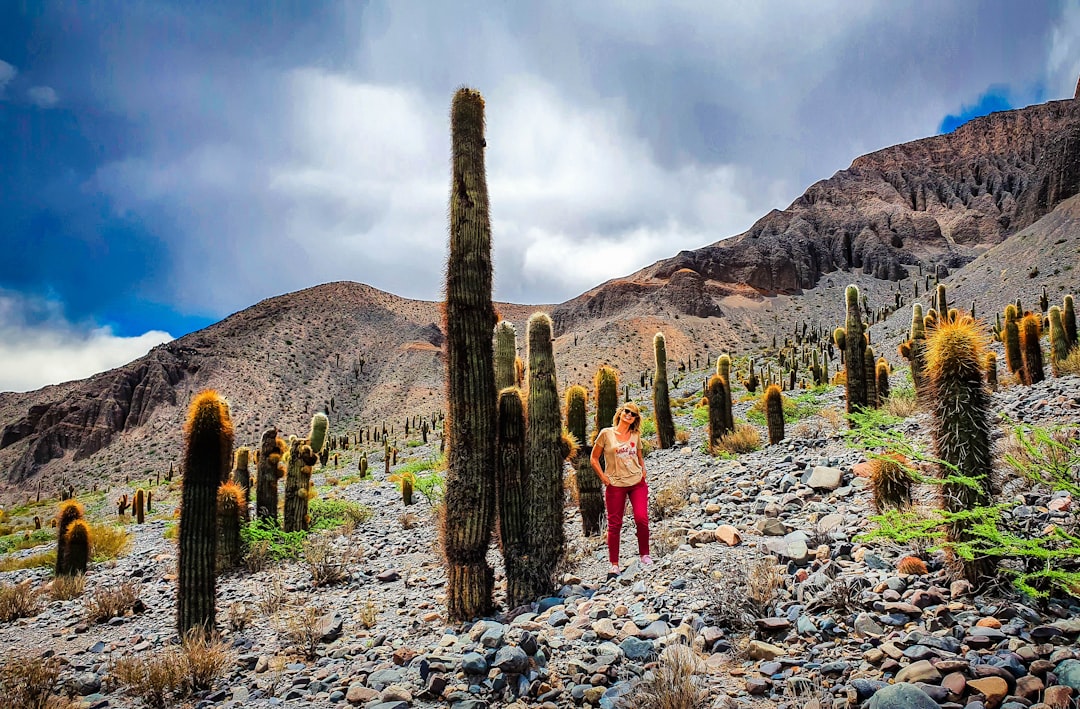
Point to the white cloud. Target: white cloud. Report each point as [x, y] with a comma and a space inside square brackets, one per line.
[42, 96]
[51, 350]
[7, 73]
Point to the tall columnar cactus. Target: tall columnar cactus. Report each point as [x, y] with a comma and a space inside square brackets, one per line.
[853, 342]
[719, 392]
[1059, 345]
[942, 305]
[69, 512]
[298, 485]
[751, 382]
[723, 367]
[774, 414]
[318, 435]
[606, 386]
[363, 465]
[1014, 360]
[231, 513]
[991, 371]
[960, 409]
[470, 370]
[882, 376]
[505, 354]
[139, 506]
[546, 538]
[914, 351]
[870, 361]
[1068, 319]
[271, 469]
[590, 492]
[241, 474]
[665, 426]
[512, 492]
[1031, 349]
[207, 454]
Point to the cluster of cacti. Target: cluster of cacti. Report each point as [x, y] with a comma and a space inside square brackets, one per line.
[960, 408]
[121, 504]
[72, 539]
[207, 454]
[891, 483]
[751, 382]
[665, 425]
[774, 413]
[270, 470]
[469, 323]
[852, 341]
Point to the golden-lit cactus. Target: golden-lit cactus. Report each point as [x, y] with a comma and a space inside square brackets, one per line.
[882, 372]
[891, 483]
[469, 504]
[78, 542]
[208, 435]
[271, 469]
[914, 350]
[720, 421]
[960, 409]
[774, 413]
[1059, 344]
[1011, 340]
[991, 371]
[1031, 349]
[231, 514]
[68, 513]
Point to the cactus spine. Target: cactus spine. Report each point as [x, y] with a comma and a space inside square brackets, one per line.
[271, 469]
[1059, 346]
[505, 354]
[961, 425]
[545, 535]
[231, 512]
[512, 493]
[665, 426]
[774, 414]
[1031, 349]
[207, 454]
[70, 511]
[470, 371]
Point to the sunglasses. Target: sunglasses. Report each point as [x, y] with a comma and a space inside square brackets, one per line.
[627, 411]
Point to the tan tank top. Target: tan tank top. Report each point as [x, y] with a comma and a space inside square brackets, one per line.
[621, 459]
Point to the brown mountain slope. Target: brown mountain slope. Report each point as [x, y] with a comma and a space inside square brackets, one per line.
[940, 200]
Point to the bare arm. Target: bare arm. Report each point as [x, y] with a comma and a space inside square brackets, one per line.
[640, 458]
[597, 451]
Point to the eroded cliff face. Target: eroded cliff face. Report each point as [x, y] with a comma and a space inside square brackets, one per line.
[941, 200]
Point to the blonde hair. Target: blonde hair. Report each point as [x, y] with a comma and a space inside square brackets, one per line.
[632, 408]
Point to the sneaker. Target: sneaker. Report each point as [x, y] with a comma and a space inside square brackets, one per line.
[613, 571]
[646, 561]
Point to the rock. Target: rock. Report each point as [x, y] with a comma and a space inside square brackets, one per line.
[758, 650]
[511, 659]
[388, 576]
[395, 693]
[994, 689]
[359, 694]
[87, 683]
[1068, 674]
[604, 629]
[921, 671]
[701, 536]
[637, 649]
[329, 627]
[474, 663]
[824, 478]
[866, 625]
[901, 696]
[1059, 696]
[728, 535]
[771, 527]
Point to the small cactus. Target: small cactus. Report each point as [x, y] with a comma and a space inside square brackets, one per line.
[122, 504]
[139, 507]
[881, 372]
[1068, 319]
[1031, 349]
[241, 474]
[991, 371]
[912, 566]
[231, 513]
[852, 341]
[890, 483]
[774, 414]
[271, 470]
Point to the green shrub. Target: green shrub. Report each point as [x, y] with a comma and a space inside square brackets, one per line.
[333, 513]
[279, 543]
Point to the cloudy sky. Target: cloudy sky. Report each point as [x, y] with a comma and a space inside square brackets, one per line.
[165, 164]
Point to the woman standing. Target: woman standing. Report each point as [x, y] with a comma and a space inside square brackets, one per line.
[623, 476]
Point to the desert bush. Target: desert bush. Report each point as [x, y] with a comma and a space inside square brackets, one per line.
[205, 658]
[28, 682]
[156, 679]
[19, 601]
[111, 601]
[663, 540]
[682, 436]
[64, 588]
[271, 542]
[409, 520]
[1071, 364]
[327, 566]
[744, 594]
[833, 417]
[672, 684]
[333, 513]
[239, 616]
[272, 598]
[744, 439]
[901, 403]
[109, 542]
[299, 630]
[45, 559]
[369, 613]
[670, 498]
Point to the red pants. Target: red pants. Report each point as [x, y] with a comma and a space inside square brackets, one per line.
[615, 501]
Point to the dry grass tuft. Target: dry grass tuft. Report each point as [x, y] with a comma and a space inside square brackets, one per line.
[671, 499]
[902, 403]
[326, 565]
[744, 439]
[206, 658]
[299, 632]
[110, 602]
[682, 436]
[742, 595]
[1071, 364]
[369, 613]
[673, 684]
[664, 540]
[409, 520]
[272, 598]
[155, 679]
[19, 601]
[28, 683]
[64, 588]
[45, 559]
[109, 542]
[240, 616]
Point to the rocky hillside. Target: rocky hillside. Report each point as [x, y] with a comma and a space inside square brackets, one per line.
[949, 200]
